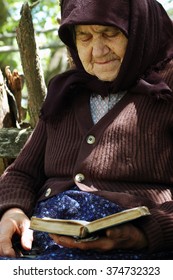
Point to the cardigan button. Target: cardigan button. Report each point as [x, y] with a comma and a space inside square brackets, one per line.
[48, 192]
[91, 139]
[79, 177]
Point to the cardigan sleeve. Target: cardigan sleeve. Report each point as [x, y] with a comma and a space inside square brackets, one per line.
[23, 178]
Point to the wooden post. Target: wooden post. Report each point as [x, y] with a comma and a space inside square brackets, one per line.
[31, 64]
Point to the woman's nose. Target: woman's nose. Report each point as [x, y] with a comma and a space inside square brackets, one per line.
[99, 48]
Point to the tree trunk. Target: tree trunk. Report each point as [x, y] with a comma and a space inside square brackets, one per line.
[31, 64]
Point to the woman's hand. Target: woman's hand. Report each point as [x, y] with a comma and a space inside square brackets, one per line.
[14, 221]
[125, 236]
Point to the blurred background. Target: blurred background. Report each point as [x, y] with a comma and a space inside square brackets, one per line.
[45, 19]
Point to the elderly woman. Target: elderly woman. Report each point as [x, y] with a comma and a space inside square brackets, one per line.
[104, 139]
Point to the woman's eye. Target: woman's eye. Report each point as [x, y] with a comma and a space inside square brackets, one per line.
[84, 37]
[111, 34]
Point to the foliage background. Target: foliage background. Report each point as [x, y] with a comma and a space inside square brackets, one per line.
[45, 19]
[46, 15]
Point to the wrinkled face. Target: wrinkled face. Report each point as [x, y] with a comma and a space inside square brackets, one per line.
[101, 50]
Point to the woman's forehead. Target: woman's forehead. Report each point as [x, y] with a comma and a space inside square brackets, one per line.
[94, 28]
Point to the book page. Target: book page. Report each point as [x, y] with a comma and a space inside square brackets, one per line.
[118, 218]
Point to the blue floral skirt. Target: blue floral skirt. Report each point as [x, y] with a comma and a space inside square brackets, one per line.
[76, 204]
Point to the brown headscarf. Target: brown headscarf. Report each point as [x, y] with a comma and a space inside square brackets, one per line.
[150, 46]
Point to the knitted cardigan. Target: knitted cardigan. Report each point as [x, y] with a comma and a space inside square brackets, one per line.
[126, 157]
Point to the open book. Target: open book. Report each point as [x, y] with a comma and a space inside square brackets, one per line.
[81, 228]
